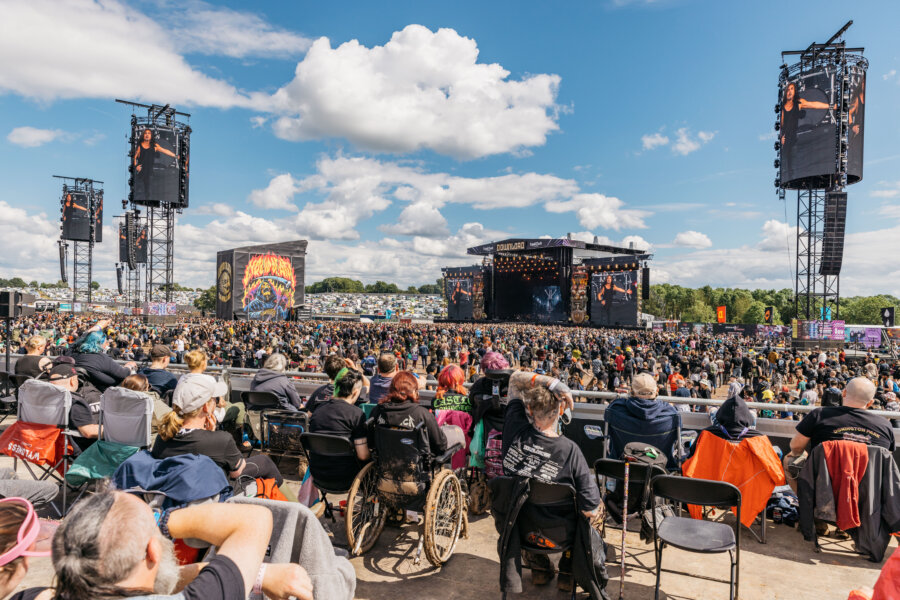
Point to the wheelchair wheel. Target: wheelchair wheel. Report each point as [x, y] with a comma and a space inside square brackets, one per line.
[365, 514]
[444, 512]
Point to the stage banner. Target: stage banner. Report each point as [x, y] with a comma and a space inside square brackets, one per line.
[225, 285]
[837, 330]
[578, 297]
[721, 316]
[460, 304]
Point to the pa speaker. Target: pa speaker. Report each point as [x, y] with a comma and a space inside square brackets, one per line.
[833, 239]
[645, 283]
[887, 316]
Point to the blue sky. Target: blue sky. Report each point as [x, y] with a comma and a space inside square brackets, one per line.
[393, 135]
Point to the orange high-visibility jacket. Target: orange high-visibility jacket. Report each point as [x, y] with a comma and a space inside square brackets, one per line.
[751, 465]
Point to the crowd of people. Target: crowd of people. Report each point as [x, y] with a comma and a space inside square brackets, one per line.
[376, 373]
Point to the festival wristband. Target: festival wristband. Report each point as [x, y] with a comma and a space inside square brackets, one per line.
[257, 586]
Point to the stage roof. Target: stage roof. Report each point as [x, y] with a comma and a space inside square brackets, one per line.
[526, 244]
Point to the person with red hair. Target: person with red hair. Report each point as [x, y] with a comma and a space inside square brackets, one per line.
[401, 409]
[454, 406]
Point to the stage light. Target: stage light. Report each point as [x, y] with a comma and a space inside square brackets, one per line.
[777, 182]
[777, 108]
[777, 125]
[777, 163]
[777, 145]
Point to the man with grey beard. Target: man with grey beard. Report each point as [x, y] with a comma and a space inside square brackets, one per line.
[111, 546]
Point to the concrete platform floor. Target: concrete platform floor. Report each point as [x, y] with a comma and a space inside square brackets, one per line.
[786, 568]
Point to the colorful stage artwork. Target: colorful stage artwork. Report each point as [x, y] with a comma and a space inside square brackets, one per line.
[268, 287]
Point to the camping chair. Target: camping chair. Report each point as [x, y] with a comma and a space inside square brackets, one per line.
[696, 535]
[668, 440]
[125, 418]
[40, 435]
[320, 450]
[9, 387]
[255, 403]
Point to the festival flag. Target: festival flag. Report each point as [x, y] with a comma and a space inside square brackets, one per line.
[720, 314]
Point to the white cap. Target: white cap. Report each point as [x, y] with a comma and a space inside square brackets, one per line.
[196, 389]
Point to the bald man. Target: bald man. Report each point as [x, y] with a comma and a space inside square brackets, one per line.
[851, 421]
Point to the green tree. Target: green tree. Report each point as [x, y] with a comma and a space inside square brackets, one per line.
[754, 314]
[412, 290]
[16, 282]
[336, 284]
[95, 285]
[206, 300]
[382, 287]
[865, 310]
[34, 284]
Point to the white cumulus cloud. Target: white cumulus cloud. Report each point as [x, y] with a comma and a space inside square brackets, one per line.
[279, 194]
[692, 239]
[653, 140]
[32, 137]
[598, 210]
[422, 89]
[685, 142]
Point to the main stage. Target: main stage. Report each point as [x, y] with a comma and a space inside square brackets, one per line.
[550, 280]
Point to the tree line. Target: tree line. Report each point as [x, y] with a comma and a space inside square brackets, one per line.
[669, 301]
[354, 286]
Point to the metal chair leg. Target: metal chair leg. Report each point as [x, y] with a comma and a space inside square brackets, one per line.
[658, 570]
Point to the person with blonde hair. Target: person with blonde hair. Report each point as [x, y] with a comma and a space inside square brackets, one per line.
[231, 415]
[35, 362]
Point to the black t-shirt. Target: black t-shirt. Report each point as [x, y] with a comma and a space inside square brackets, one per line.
[529, 453]
[29, 365]
[85, 411]
[846, 423]
[320, 395]
[336, 417]
[218, 445]
[29, 594]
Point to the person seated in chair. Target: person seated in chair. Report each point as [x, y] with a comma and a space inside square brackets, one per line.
[35, 362]
[159, 378]
[339, 416]
[533, 448]
[271, 378]
[190, 428]
[641, 412]
[84, 416]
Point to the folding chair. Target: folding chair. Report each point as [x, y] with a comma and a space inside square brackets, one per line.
[40, 435]
[638, 476]
[668, 440]
[9, 386]
[125, 420]
[695, 535]
[255, 403]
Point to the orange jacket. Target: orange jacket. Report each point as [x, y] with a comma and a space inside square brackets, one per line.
[751, 465]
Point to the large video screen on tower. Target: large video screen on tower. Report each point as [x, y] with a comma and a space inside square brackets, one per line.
[98, 216]
[155, 165]
[459, 297]
[76, 216]
[140, 244]
[268, 284]
[808, 120]
[614, 298]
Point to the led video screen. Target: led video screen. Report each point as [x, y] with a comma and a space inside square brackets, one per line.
[459, 297]
[547, 303]
[268, 284]
[76, 216]
[614, 299]
[808, 127]
[140, 245]
[154, 158]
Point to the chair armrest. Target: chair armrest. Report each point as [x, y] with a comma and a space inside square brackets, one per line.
[446, 456]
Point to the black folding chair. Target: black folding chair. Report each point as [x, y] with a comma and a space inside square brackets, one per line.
[255, 403]
[320, 449]
[696, 535]
[638, 474]
[552, 539]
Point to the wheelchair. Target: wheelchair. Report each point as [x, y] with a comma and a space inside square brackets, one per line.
[404, 475]
[479, 493]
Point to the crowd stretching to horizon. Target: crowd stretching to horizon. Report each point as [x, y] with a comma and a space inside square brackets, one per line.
[385, 366]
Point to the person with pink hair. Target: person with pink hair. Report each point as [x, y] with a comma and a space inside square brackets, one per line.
[453, 407]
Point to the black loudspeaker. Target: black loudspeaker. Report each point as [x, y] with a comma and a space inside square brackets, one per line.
[768, 314]
[11, 305]
[130, 234]
[63, 250]
[833, 240]
[119, 273]
[645, 283]
[887, 316]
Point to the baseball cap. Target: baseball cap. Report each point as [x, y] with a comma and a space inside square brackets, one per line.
[196, 389]
[63, 367]
[644, 386]
[160, 351]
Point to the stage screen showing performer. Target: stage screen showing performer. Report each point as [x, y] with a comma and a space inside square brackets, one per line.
[76, 217]
[614, 299]
[547, 304]
[808, 124]
[268, 283]
[98, 216]
[140, 244]
[856, 123]
[459, 298]
[155, 166]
